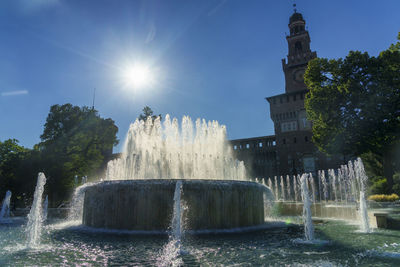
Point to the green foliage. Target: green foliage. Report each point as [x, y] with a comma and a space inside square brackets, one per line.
[11, 156]
[18, 171]
[75, 141]
[147, 112]
[379, 185]
[354, 104]
[396, 183]
[373, 164]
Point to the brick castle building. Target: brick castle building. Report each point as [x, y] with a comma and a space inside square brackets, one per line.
[290, 150]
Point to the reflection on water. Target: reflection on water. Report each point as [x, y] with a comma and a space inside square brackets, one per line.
[66, 245]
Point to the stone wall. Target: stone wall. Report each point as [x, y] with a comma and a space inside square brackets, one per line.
[148, 204]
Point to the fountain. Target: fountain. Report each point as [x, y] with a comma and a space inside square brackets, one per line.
[138, 193]
[5, 209]
[76, 210]
[45, 208]
[172, 250]
[332, 177]
[153, 150]
[307, 217]
[176, 224]
[35, 220]
[362, 178]
[283, 195]
[211, 204]
[182, 206]
[289, 192]
[340, 194]
[313, 190]
[295, 188]
[324, 185]
[319, 186]
[271, 186]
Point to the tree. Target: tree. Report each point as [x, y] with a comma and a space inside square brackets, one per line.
[18, 171]
[11, 155]
[354, 104]
[147, 112]
[75, 141]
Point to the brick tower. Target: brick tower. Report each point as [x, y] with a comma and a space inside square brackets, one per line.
[295, 152]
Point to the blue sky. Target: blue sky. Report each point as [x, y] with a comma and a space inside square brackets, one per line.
[214, 59]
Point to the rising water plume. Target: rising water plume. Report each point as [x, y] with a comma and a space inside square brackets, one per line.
[45, 207]
[362, 179]
[35, 220]
[343, 185]
[172, 250]
[156, 150]
[5, 209]
[76, 210]
[307, 216]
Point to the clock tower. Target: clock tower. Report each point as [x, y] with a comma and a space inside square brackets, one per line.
[290, 151]
[299, 54]
[295, 150]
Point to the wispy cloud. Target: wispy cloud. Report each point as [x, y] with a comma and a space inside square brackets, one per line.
[13, 93]
[151, 34]
[36, 5]
[217, 7]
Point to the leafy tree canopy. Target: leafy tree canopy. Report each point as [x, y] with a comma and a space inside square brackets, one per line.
[11, 155]
[354, 103]
[75, 141]
[147, 112]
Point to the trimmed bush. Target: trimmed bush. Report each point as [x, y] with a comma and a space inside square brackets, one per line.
[379, 185]
[384, 198]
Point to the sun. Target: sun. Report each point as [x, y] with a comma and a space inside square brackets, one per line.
[137, 76]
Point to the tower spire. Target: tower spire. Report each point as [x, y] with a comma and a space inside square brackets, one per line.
[299, 53]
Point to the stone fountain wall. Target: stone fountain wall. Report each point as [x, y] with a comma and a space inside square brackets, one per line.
[148, 204]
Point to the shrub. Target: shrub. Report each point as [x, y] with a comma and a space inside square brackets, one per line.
[396, 183]
[384, 198]
[379, 185]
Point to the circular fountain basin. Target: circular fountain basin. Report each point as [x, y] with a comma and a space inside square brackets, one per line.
[148, 204]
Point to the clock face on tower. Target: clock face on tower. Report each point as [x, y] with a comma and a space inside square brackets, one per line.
[298, 75]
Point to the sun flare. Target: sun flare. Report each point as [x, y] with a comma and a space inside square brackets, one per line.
[137, 76]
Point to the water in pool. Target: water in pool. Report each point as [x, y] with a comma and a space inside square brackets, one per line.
[64, 245]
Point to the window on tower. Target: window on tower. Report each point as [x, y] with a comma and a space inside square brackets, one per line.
[289, 126]
[298, 47]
